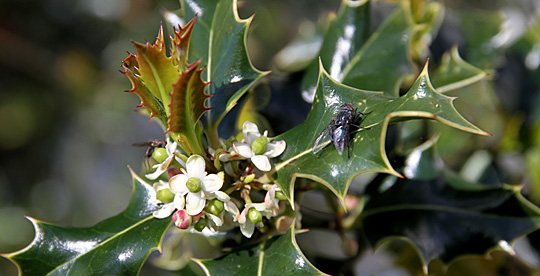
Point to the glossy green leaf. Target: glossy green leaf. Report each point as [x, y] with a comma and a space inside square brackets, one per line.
[367, 153]
[277, 256]
[384, 60]
[219, 39]
[116, 246]
[443, 215]
[345, 35]
[454, 73]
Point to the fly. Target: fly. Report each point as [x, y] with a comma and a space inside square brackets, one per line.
[339, 129]
[151, 146]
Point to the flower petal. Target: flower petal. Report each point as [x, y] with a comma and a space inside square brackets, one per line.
[178, 184]
[231, 208]
[247, 229]
[261, 162]
[171, 147]
[212, 183]
[250, 131]
[215, 219]
[164, 212]
[243, 149]
[222, 196]
[195, 203]
[179, 201]
[160, 168]
[195, 166]
[274, 149]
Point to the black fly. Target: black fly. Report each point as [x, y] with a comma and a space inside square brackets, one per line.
[339, 129]
[152, 145]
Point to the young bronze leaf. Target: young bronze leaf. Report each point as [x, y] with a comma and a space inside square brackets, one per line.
[156, 69]
[148, 100]
[187, 101]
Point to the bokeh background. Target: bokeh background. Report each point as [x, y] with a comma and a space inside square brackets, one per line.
[67, 127]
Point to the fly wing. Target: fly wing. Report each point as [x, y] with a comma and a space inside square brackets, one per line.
[322, 141]
[341, 139]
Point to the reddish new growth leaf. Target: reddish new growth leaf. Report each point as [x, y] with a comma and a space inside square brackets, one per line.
[148, 100]
[187, 100]
[180, 47]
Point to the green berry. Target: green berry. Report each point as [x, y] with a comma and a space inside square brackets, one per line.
[281, 196]
[259, 145]
[255, 216]
[200, 225]
[215, 207]
[194, 185]
[160, 154]
[165, 195]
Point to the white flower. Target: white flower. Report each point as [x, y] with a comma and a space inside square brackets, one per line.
[167, 209]
[162, 167]
[196, 184]
[257, 147]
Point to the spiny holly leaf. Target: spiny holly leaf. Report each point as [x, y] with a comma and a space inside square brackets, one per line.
[442, 214]
[187, 104]
[367, 153]
[345, 35]
[276, 256]
[116, 246]
[454, 73]
[157, 70]
[180, 44]
[219, 39]
[148, 100]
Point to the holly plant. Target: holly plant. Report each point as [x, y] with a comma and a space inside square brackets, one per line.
[217, 176]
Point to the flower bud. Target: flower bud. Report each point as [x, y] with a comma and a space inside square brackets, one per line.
[215, 207]
[194, 184]
[165, 195]
[249, 178]
[255, 216]
[160, 154]
[181, 219]
[259, 145]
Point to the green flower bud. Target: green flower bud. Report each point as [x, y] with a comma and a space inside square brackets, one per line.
[255, 216]
[200, 225]
[249, 178]
[215, 207]
[165, 195]
[194, 184]
[259, 145]
[160, 154]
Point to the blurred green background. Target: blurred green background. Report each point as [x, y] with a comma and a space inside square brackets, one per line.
[67, 127]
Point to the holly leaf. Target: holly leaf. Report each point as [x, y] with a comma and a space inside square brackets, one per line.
[384, 60]
[157, 70]
[127, 238]
[148, 100]
[187, 105]
[219, 39]
[454, 73]
[443, 215]
[344, 36]
[366, 152]
[277, 256]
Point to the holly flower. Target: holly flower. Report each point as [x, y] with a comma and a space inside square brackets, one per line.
[168, 201]
[196, 184]
[258, 147]
[163, 166]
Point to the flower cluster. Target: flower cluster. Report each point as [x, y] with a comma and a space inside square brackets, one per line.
[197, 199]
